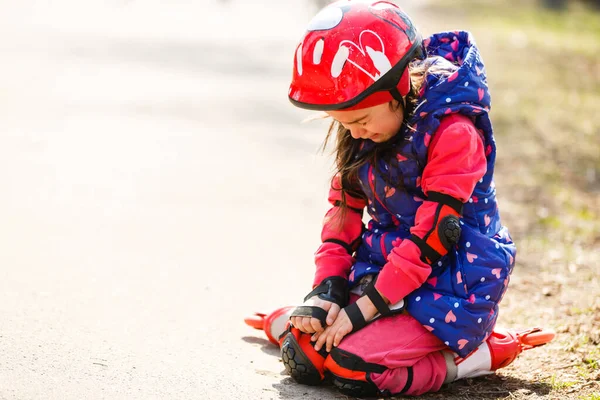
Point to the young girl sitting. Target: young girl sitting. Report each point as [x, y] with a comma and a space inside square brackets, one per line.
[410, 301]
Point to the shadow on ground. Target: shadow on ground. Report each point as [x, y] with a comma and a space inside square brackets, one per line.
[485, 388]
[265, 346]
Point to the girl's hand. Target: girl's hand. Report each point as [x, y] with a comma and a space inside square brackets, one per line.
[312, 325]
[333, 335]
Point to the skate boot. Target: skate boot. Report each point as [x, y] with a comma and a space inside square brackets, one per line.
[500, 350]
[506, 344]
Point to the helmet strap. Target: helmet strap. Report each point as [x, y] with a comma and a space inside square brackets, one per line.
[397, 96]
[402, 89]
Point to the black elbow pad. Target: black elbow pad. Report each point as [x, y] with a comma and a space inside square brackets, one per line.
[445, 231]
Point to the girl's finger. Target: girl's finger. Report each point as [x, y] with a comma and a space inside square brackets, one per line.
[316, 325]
[314, 337]
[321, 339]
[333, 313]
[306, 325]
[329, 341]
[339, 336]
[296, 322]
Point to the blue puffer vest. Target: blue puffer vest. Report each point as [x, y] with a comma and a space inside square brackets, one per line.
[459, 301]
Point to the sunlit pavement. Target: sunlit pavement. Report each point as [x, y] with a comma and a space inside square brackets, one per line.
[157, 186]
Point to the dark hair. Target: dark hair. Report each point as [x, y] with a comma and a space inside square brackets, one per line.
[347, 163]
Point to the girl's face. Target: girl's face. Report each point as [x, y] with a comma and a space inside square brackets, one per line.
[379, 123]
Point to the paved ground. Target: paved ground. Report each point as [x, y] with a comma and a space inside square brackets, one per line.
[156, 187]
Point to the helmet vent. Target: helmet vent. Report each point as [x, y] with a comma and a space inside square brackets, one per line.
[299, 59]
[318, 51]
[339, 61]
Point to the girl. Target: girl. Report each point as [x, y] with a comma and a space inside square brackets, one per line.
[410, 301]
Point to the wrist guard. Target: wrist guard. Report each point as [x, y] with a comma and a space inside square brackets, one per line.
[357, 318]
[333, 289]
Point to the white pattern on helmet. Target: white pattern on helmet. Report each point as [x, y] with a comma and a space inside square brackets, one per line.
[299, 59]
[318, 51]
[339, 61]
[380, 60]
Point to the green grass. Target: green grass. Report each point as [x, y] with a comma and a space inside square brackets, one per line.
[592, 360]
[574, 31]
[593, 396]
[557, 384]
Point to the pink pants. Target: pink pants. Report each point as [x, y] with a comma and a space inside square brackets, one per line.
[409, 351]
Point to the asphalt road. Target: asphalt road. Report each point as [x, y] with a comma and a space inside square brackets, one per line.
[157, 186]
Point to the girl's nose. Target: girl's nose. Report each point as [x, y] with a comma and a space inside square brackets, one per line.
[357, 132]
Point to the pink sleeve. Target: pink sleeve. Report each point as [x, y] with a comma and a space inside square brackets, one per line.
[456, 161]
[339, 237]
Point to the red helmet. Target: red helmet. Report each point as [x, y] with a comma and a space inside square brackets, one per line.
[354, 55]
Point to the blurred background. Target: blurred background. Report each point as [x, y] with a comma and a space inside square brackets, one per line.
[158, 187]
